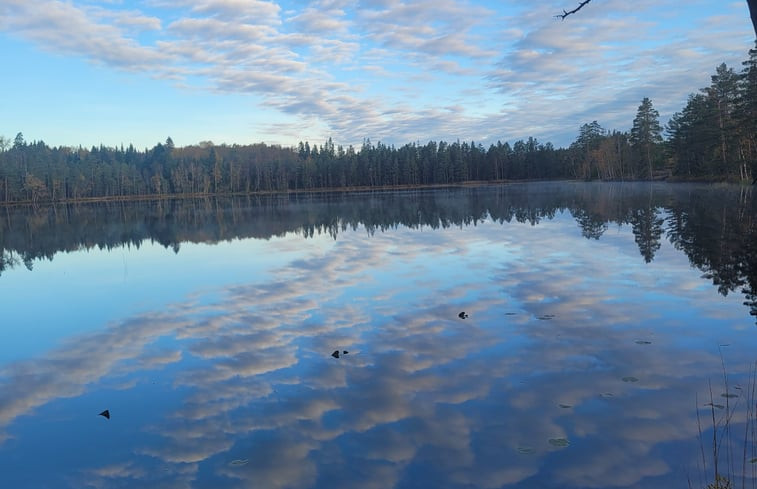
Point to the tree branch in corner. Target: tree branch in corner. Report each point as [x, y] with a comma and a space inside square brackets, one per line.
[566, 13]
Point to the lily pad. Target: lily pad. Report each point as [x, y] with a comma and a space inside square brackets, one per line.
[526, 450]
[630, 379]
[643, 342]
[729, 395]
[559, 442]
[239, 462]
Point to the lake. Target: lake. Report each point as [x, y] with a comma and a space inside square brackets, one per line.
[527, 335]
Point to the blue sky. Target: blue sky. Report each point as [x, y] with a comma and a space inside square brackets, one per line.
[86, 72]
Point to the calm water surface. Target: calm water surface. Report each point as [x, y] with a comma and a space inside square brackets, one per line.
[601, 319]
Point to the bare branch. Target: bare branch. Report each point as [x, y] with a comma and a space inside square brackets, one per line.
[566, 13]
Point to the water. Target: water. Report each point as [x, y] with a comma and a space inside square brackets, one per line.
[600, 317]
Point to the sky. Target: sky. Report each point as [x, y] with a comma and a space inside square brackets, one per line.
[112, 72]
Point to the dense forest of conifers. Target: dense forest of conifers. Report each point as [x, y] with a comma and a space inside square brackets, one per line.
[713, 137]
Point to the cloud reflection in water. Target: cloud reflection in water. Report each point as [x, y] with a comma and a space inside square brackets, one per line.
[424, 399]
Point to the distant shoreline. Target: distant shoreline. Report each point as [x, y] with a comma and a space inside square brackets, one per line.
[182, 196]
[362, 189]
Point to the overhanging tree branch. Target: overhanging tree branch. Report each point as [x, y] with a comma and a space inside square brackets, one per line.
[566, 13]
[751, 3]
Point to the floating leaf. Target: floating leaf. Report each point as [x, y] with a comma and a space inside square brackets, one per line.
[643, 342]
[238, 462]
[630, 379]
[526, 450]
[565, 406]
[729, 395]
[559, 442]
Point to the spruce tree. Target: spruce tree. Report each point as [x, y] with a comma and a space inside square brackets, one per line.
[646, 133]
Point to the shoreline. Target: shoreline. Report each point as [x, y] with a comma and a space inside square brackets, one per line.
[161, 197]
[360, 189]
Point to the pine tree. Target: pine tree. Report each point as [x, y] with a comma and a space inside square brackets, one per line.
[746, 116]
[723, 93]
[646, 133]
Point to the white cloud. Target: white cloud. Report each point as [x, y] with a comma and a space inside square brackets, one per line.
[387, 70]
[63, 27]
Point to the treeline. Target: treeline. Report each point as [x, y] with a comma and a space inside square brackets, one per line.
[714, 136]
[34, 172]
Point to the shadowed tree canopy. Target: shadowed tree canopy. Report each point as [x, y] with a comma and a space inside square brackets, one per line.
[751, 3]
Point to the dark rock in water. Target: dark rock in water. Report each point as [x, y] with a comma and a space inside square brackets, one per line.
[462, 315]
[335, 354]
[105, 414]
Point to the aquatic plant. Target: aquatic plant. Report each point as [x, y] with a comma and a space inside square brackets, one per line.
[729, 469]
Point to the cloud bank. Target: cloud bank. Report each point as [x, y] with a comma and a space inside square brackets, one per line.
[401, 71]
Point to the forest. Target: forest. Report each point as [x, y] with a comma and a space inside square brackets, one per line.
[713, 138]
